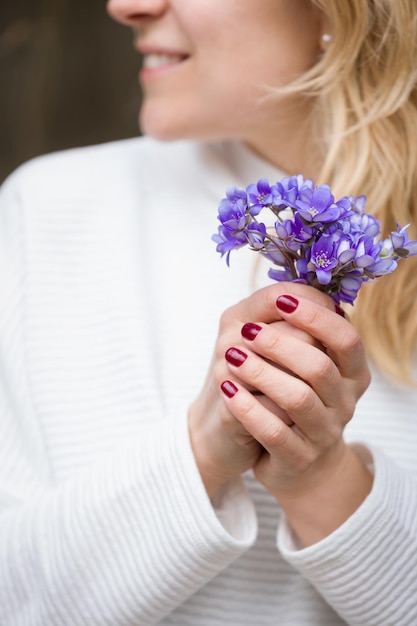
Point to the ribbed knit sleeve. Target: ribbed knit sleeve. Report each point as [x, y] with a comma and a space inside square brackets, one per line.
[366, 570]
[123, 540]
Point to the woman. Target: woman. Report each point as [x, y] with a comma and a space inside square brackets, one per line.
[129, 496]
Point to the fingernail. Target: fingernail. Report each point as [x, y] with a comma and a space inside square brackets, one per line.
[228, 388]
[288, 304]
[250, 330]
[339, 310]
[235, 357]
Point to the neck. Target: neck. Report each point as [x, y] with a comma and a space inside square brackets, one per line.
[289, 143]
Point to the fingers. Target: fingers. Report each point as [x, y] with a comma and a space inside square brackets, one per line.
[317, 389]
[273, 408]
[268, 429]
[307, 362]
[342, 342]
[293, 396]
[298, 356]
[261, 305]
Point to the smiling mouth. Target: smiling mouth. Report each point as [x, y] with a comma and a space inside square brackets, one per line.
[155, 60]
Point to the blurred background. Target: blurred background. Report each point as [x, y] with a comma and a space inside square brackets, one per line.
[68, 77]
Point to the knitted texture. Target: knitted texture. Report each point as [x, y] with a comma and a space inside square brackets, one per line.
[110, 299]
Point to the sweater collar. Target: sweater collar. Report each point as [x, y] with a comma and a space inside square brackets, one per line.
[247, 166]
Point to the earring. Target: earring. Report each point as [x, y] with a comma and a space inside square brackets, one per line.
[325, 39]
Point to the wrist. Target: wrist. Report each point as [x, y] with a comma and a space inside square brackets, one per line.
[323, 499]
[213, 479]
[212, 482]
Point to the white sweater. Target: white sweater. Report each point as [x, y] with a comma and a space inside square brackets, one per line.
[110, 295]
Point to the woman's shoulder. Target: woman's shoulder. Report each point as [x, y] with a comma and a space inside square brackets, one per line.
[124, 164]
[75, 164]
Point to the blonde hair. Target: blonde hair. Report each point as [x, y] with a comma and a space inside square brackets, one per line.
[366, 112]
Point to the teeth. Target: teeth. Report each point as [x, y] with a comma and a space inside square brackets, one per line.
[158, 60]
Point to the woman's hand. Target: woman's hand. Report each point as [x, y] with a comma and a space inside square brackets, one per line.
[311, 392]
[222, 445]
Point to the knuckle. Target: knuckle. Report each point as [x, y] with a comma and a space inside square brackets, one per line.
[245, 411]
[345, 416]
[324, 367]
[265, 295]
[334, 433]
[304, 459]
[350, 407]
[312, 316]
[352, 341]
[365, 380]
[257, 372]
[302, 401]
[309, 457]
[275, 435]
[246, 405]
[227, 318]
[275, 341]
[361, 380]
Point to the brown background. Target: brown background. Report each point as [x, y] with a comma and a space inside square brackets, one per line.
[68, 77]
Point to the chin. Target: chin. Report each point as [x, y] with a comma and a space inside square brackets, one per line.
[160, 126]
[163, 126]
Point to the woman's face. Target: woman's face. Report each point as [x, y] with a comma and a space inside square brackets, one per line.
[206, 63]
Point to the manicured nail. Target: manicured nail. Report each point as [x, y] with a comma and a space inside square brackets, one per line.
[235, 357]
[288, 304]
[250, 330]
[228, 388]
[339, 310]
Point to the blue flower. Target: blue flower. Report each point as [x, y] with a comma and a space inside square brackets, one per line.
[280, 275]
[319, 206]
[233, 208]
[227, 241]
[399, 244]
[259, 195]
[255, 234]
[302, 232]
[330, 244]
[290, 189]
[274, 251]
[348, 288]
[323, 258]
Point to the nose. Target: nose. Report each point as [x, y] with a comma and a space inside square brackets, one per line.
[130, 12]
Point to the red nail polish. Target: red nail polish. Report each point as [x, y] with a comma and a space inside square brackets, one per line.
[250, 330]
[287, 304]
[235, 357]
[339, 310]
[228, 388]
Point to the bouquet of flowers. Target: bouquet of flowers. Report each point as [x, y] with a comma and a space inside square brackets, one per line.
[330, 244]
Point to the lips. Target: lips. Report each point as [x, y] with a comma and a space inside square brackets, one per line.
[153, 60]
